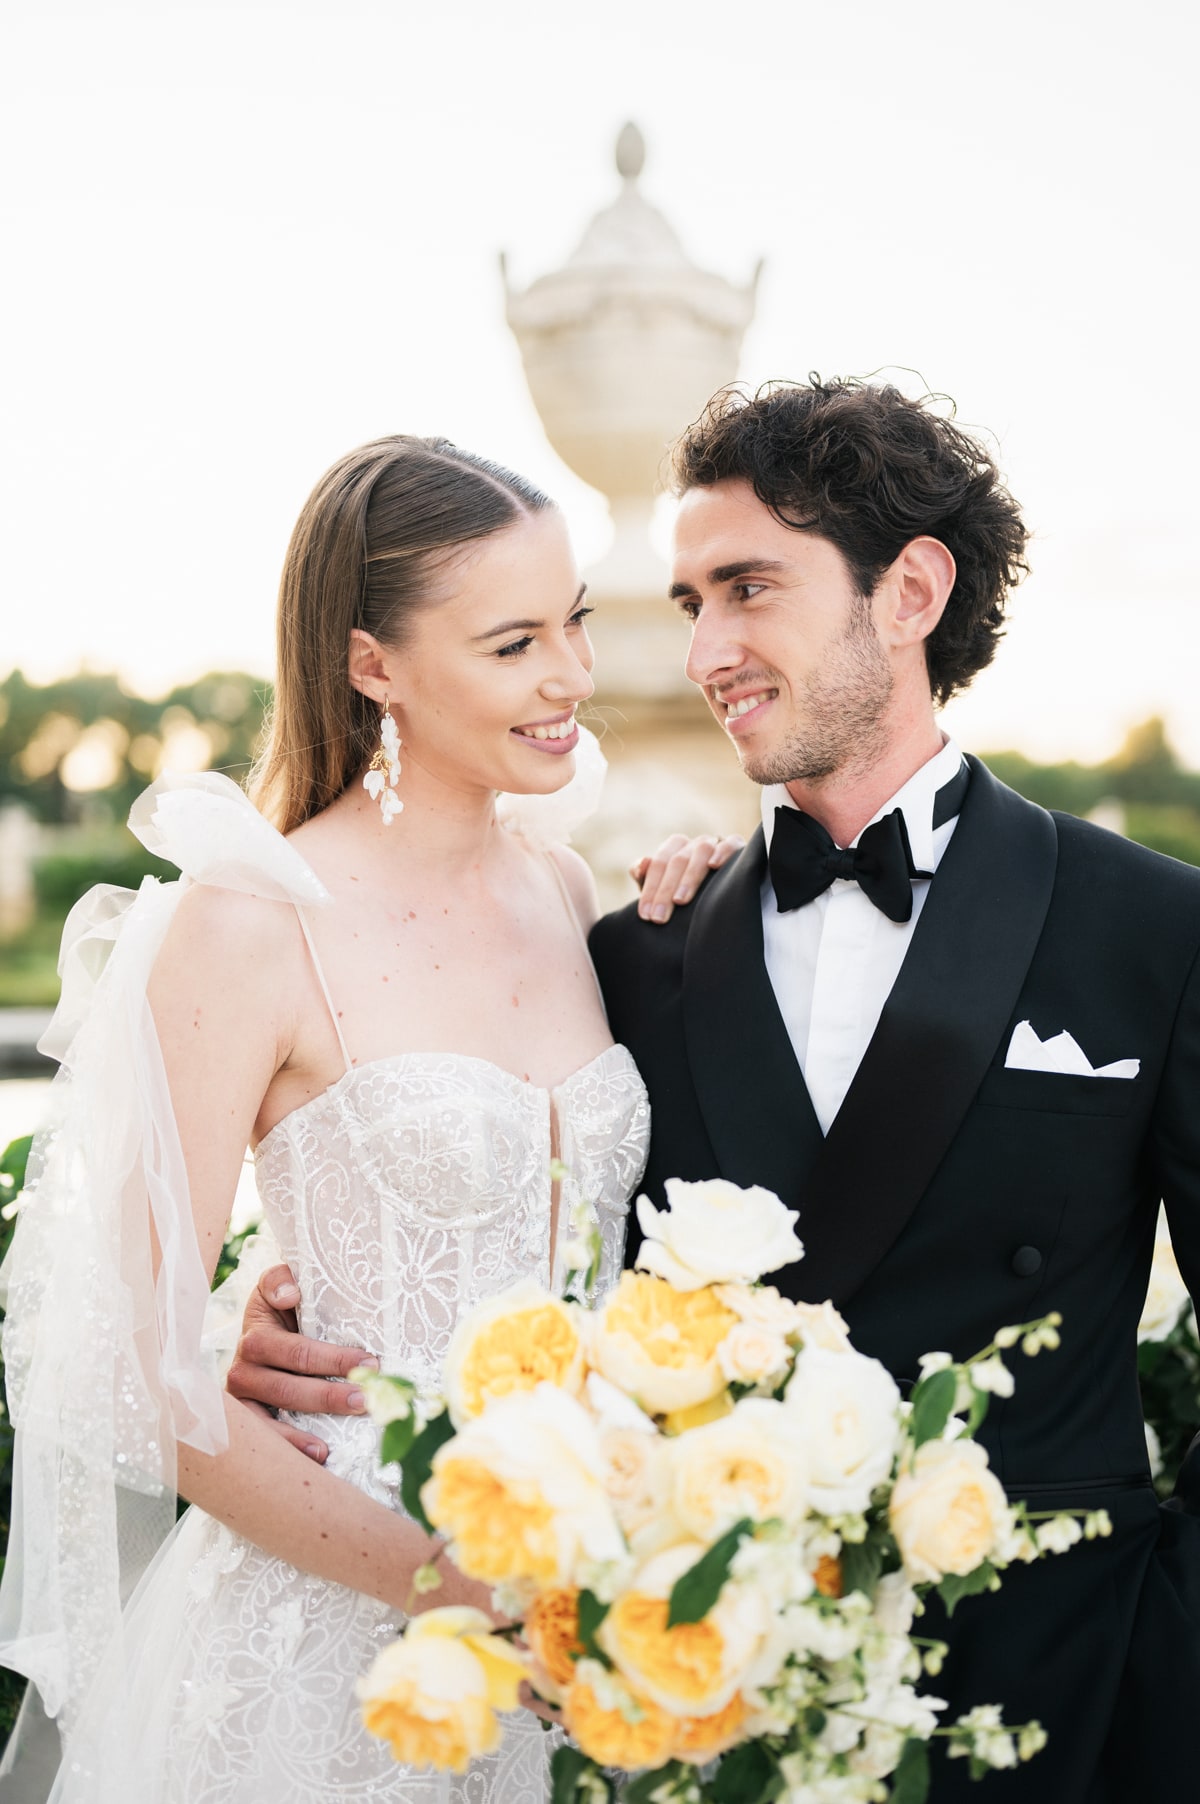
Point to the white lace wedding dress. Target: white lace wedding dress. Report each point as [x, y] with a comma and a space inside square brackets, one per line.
[412, 1187]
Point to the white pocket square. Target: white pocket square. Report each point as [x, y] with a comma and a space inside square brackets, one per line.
[1060, 1053]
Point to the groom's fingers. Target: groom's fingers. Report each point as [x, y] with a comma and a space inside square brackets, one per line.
[677, 870]
[661, 877]
[277, 1367]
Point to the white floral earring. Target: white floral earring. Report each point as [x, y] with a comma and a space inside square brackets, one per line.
[383, 773]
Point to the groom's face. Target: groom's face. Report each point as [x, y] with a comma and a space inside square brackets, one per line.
[783, 646]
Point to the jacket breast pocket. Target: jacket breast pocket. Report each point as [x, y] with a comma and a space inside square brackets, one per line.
[1058, 1093]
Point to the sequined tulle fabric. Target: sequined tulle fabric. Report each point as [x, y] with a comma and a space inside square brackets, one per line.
[410, 1189]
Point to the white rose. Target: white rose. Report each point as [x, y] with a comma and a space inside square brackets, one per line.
[762, 1305]
[750, 1463]
[948, 1511]
[1167, 1293]
[846, 1410]
[820, 1325]
[714, 1232]
[753, 1355]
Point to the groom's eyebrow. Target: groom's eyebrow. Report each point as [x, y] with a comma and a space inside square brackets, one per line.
[523, 626]
[729, 573]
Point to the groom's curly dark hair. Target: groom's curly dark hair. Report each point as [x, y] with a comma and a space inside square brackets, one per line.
[870, 469]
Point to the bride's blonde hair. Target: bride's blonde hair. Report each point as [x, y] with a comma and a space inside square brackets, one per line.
[365, 552]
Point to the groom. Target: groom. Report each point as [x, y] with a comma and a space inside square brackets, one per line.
[865, 1012]
[872, 1033]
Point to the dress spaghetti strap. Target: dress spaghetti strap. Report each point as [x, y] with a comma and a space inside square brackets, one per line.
[573, 916]
[333, 1014]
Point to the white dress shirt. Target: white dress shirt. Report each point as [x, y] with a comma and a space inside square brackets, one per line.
[832, 963]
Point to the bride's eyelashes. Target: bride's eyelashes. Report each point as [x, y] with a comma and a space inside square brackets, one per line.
[519, 646]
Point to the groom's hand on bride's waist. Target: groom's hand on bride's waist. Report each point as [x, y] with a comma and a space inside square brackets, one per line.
[276, 1367]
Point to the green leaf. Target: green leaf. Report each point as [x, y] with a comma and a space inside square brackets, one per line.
[397, 1438]
[747, 1775]
[862, 1564]
[910, 1781]
[13, 1161]
[591, 1614]
[643, 1788]
[696, 1591]
[932, 1402]
[567, 1767]
[953, 1588]
[419, 1463]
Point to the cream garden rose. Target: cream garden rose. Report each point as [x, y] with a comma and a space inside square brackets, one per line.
[948, 1511]
[434, 1694]
[844, 1409]
[695, 1668]
[748, 1464]
[511, 1342]
[753, 1355]
[715, 1232]
[659, 1344]
[520, 1493]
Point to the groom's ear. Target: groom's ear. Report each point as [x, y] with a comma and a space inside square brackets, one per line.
[913, 592]
[372, 668]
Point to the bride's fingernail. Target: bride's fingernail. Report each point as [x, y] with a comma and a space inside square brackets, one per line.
[355, 1402]
[314, 1450]
[370, 1361]
[286, 1294]
[662, 911]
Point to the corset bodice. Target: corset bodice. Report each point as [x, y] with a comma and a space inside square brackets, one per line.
[419, 1183]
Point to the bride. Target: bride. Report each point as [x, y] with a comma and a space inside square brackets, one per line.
[388, 995]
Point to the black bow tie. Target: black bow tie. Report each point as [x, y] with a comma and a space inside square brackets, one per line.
[804, 861]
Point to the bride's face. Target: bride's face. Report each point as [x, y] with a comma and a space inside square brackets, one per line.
[487, 680]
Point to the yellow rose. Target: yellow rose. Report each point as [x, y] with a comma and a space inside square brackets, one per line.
[659, 1344]
[748, 1464]
[433, 1695]
[552, 1631]
[512, 1342]
[613, 1725]
[519, 1493]
[948, 1511]
[695, 1668]
[702, 1738]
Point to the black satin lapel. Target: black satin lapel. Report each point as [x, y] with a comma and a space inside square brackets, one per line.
[751, 1093]
[937, 1035]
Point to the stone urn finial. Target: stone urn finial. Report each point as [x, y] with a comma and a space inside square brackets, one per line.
[631, 151]
[622, 347]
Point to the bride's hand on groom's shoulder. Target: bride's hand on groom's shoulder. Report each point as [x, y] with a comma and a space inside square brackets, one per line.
[276, 1367]
[672, 874]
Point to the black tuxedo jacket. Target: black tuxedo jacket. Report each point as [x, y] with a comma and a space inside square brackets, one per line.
[952, 1196]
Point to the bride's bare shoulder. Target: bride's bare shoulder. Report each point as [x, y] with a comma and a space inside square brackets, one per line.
[246, 938]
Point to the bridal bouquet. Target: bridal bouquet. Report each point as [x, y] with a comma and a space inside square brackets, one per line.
[711, 1522]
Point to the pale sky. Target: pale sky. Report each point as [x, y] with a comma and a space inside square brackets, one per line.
[244, 237]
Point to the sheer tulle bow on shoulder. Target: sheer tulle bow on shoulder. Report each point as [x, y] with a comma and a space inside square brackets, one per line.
[105, 1361]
